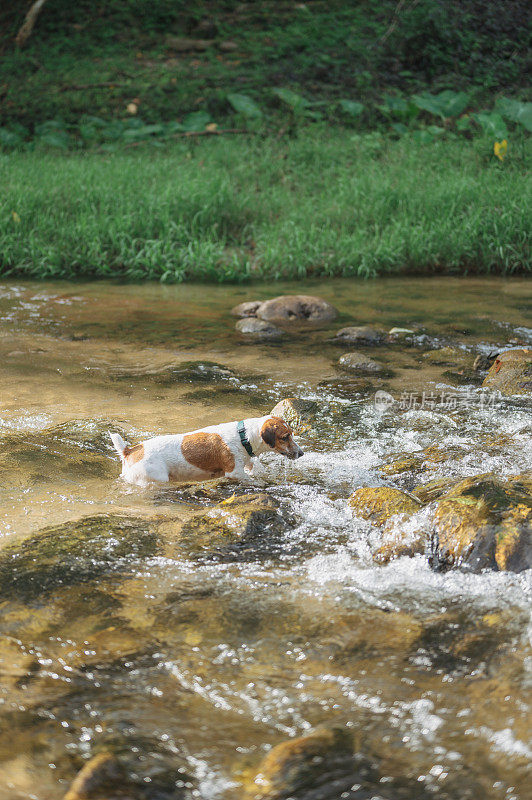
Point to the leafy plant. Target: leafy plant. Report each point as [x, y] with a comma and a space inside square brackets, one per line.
[399, 108]
[245, 105]
[515, 111]
[351, 107]
[492, 124]
[445, 105]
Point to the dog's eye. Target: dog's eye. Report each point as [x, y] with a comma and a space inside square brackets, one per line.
[285, 438]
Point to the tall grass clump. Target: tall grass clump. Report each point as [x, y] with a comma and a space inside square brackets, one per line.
[324, 203]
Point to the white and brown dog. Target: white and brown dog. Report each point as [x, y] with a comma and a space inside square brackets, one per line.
[220, 450]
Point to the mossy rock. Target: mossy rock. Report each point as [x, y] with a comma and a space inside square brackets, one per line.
[379, 503]
[72, 553]
[361, 364]
[483, 523]
[448, 356]
[406, 463]
[102, 777]
[72, 449]
[372, 632]
[511, 372]
[432, 490]
[320, 764]
[184, 373]
[296, 412]
[229, 529]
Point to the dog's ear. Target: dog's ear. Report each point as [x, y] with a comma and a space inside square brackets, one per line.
[268, 433]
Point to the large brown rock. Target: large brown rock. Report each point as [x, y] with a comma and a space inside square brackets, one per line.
[297, 308]
[483, 523]
[320, 764]
[511, 372]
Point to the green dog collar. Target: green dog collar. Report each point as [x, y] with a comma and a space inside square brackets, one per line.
[244, 439]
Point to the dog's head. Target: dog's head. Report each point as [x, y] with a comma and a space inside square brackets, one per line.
[278, 435]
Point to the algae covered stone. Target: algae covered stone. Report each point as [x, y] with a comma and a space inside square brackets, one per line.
[320, 764]
[357, 362]
[228, 528]
[511, 372]
[71, 553]
[296, 412]
[483, 523]
[379, 503]
[100, 778]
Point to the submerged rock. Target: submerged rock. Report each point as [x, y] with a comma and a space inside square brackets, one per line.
[228, 528]
[406, 463]
[297, 308]
[349, 387]
[247, 309]
[185, 372]
[483, 523]
[379, 503]
[101, 778]
[75, 449]
[258, 328]
[71, 553]
[511, 372]
[363, 335]
[319, 765]
[296, 412]
[357, 362]
[451, 356]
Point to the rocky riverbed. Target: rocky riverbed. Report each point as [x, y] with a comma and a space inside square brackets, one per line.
[354, 624]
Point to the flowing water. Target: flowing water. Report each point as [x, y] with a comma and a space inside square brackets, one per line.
[191, 663]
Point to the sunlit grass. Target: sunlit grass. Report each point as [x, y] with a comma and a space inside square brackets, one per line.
[327, 203]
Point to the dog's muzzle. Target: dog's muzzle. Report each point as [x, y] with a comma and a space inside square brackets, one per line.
[297, 454]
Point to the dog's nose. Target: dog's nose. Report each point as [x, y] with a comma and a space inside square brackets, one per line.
[300, 453]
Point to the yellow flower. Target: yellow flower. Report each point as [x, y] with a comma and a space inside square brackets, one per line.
[500, 149]
[16, 217]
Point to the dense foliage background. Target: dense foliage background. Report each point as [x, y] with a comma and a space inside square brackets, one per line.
[121, 51]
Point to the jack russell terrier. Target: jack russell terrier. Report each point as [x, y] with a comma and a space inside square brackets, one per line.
[214, 452]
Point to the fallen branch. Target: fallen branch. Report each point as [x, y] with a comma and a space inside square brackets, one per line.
[29, 22]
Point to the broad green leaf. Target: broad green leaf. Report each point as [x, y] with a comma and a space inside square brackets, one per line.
[351, 107]
[508, 108]
[398, 107]
[291, 99]
[524, 117]
[453, 104]
[435, 130]
[245, 105]
[492, 124]
[57, 138]
[446, 104]
[196, 121]
[422, 137]
[399, 128]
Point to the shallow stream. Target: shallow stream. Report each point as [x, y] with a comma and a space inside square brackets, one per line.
[191, 664]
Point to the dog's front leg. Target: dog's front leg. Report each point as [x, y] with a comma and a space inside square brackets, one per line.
[254, 468]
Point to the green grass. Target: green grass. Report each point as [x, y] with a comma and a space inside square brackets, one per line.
[232, 209]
